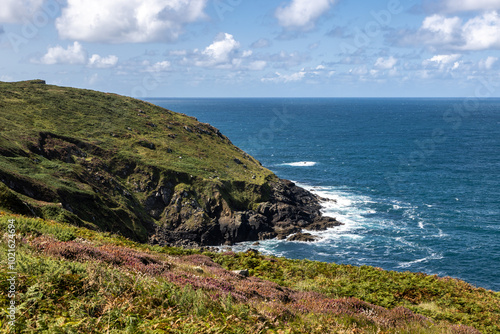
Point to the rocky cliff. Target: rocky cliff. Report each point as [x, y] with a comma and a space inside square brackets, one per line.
[117, 164]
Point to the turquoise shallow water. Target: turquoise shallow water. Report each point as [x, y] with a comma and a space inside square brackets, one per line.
[416, 181]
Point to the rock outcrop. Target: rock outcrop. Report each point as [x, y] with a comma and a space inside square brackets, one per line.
[289, 209]
[304, 237]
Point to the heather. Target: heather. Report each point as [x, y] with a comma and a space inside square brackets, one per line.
[74, 280]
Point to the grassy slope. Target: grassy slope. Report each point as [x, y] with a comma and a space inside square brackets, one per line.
[116, 123]
[104, 147]
[73, 280]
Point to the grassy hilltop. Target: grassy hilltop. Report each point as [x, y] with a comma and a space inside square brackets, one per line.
[114, 163]
[100, 186]
[66, 152]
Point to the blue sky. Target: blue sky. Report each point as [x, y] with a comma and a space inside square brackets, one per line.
[256, 48]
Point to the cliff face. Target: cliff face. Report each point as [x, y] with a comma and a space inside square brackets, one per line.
[117, 164]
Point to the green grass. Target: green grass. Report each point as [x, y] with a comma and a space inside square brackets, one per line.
[74, 280]
[116, 122]
[435, 297]
[101, 155]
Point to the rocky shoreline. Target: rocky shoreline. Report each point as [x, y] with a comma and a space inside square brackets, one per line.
[289, 210]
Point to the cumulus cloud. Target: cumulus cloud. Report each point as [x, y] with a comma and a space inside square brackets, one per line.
[302, 14]
[278, 77]
[386, 64]
[487, 63]
[73, 54]
[471, 5]
[444, 62]
[160, 66]
[445, 59]
[223, 53]
[220, 52]
[257, 65]
[442, 29]
[76, 55]
[482, 32]
[97, 61]
[127, 21]
[478, 33]
[13, 11]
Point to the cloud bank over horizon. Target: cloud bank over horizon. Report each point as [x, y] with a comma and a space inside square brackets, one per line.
[259, 48]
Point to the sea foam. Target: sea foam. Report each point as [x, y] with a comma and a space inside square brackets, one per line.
[300, 164]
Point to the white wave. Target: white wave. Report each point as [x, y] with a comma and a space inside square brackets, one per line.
[434, 256]
[268, 247]
[441, 234]
[347, 207]
[300, 164]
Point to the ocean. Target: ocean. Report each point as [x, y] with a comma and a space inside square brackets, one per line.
[416, 181]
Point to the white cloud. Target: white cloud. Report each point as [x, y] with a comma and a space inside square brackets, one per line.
[159, 67]
[102, 62]
[471, 5]
[443, 29]
[444, 62]
[127, 21]
[298, 76]
[247, 53]
[445, 59]
[487, 63]
[13, 11]
[478, 33]
[73, 54]
[386, 64]
[224, 53]
[482, 32]
[257, 65]
[221, 52]
[302, 14]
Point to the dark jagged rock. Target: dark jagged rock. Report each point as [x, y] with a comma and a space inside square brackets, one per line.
[289, 210]
[304, 237]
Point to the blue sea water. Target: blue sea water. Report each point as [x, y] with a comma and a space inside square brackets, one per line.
[416, 181]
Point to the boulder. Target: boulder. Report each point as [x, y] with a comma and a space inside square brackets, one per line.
[243, 273]
[304, 237]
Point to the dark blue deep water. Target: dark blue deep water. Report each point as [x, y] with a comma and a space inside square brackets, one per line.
[416, 181]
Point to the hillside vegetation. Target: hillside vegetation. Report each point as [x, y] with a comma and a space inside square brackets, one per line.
[74, 280]
[114, 163]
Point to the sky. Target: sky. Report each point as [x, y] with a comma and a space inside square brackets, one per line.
[256, 48]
